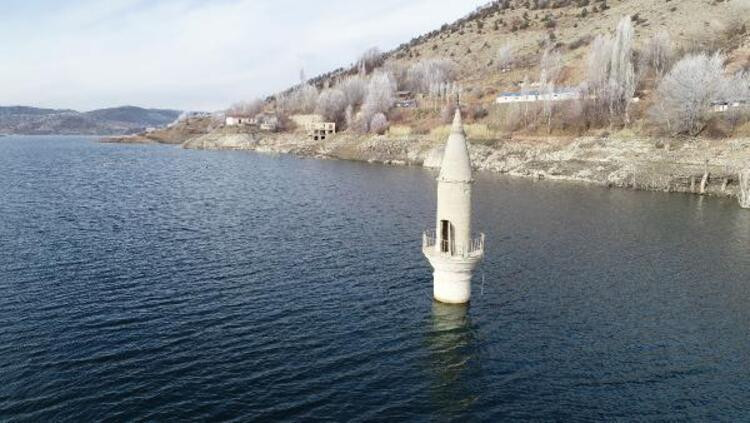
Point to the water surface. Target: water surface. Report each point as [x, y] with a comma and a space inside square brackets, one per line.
[151, 283]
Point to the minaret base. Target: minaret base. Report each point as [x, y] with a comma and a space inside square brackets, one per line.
[452, 277]
[451, 287]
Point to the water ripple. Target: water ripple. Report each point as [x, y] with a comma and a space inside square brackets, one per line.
[148, 283]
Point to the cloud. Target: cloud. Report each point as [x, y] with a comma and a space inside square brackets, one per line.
[200, 55]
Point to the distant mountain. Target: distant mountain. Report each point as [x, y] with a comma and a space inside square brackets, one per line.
[111, 121]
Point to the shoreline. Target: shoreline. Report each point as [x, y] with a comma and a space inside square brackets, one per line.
[701, 167]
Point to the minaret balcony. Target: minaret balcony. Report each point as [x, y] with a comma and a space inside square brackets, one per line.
[431, 246]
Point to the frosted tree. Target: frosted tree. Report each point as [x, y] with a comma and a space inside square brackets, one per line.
[736, 90]
[610, 74]
[658, 53]
[379, 124]
[597, 71]
[349, 116]
[380, 94]
[548, 106]
[505, 57]
[354, 89]
[399, 72]
[303, 99]
[426, 73]
[246, 109]
[370, 59]
[550, 70]
[550, 66]
[685, 94]
[621, 72]
[306, 98]
[331, 105]
[525, 91]
[743, 194]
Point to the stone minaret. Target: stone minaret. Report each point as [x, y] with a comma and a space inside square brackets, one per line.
[451, 250]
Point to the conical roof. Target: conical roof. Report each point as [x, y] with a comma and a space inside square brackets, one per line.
[456, 166]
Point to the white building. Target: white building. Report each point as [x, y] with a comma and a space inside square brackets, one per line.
[725, 106]
[451, 249]
[239, 120]
[563, 94]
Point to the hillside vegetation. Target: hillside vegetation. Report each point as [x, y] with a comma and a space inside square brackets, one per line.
[654, 67]
[650, 95]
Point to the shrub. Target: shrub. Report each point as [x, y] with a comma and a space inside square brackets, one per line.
[685, 94]
[379, 124]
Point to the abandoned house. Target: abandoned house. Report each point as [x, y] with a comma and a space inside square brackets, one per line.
[320, 130]
[405, 100]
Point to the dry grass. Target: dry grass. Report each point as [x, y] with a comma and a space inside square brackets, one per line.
[399, 130]
[475, 131]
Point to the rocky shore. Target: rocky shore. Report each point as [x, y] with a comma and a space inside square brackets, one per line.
[707, 167]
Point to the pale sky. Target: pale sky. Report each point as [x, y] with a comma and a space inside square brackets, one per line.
[191, 54]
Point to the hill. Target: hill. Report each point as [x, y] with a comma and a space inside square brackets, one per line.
[502, 47]
[112, 121]
[642, 94]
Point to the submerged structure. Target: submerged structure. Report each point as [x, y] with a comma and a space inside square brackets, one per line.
[451, 249]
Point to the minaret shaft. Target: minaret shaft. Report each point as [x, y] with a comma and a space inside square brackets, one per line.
[452, 252]
[454, 207]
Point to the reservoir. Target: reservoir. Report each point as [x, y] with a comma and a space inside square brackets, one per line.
[152, 283]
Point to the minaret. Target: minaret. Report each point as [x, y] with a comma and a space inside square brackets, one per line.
[451, 250]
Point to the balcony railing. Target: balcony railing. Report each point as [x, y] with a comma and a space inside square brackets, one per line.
[449, 248]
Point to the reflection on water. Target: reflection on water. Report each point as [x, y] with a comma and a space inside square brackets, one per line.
[453, 357]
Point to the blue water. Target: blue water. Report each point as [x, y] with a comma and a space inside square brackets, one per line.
[151, 283]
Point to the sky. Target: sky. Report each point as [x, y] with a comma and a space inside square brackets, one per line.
[192, 54]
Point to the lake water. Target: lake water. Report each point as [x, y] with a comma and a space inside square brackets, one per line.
[153, 283]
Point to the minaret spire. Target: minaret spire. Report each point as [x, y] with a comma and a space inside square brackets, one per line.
[458, 125]
[451, 249]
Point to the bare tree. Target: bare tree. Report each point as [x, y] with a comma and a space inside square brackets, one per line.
[371, 59]
[430, 72]
[550, 66]
[331, 105]
[380, 94]
[400, 73]
[505, 57]
[246, 109]
[354, 89]
[302, 99]
[379, 124]
[658, 53]
[349, 116]
[548, 106]
[550, 70]
[736, 94]
[622, 73]
[744, 189]
[685, 94]
[596, 85]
